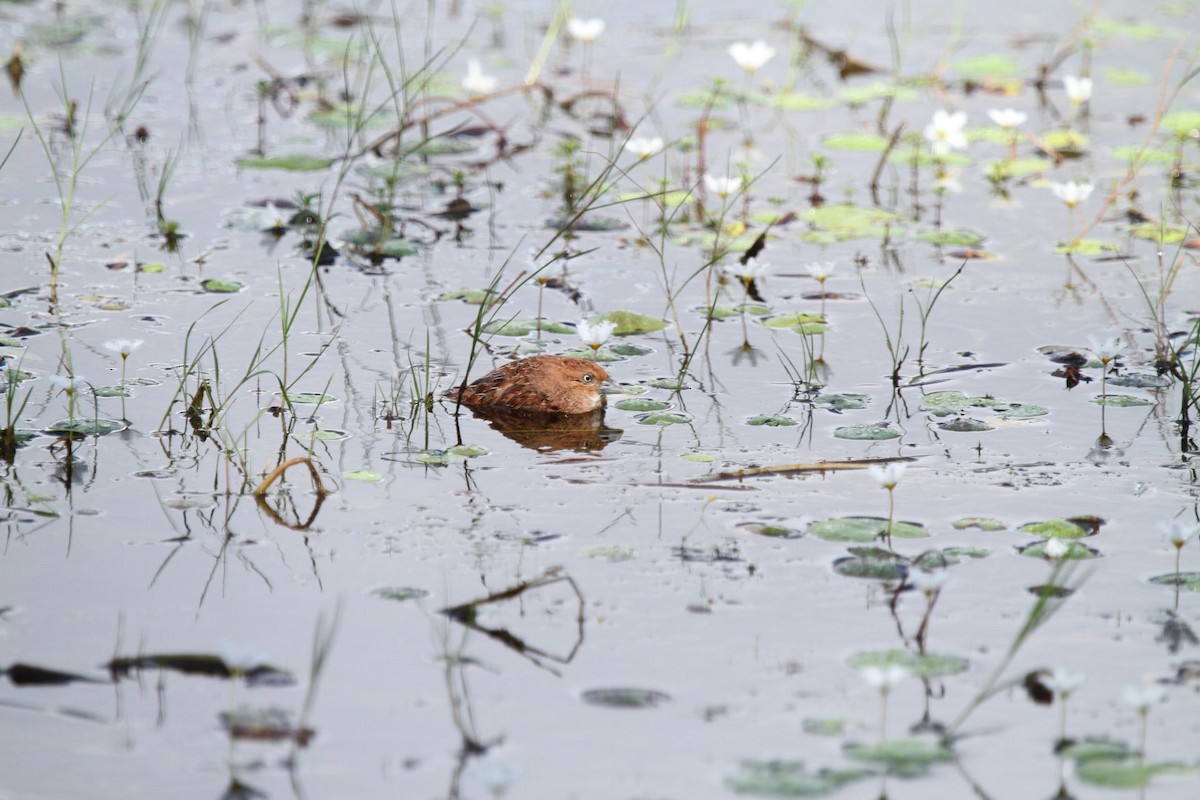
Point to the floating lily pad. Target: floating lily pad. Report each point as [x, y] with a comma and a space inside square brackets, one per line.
[1087, 247]
[797, 101]
[611, 553]
[839, 222]
[1138, 30]
[864, 529]
[674, 384]
[789, 779]
[952, 238]
[602, 355]
[772, 420]
[700, 458]
[1183, 124]
[625, 697]
[705, 98]
[1058, 529]
[524, 327]
[1125, 774]
[1017, 168]
[1088, 749]
[953, 555]
[806, 323]
[630, 322]
[295, 162]
[866, 433]
[663, 418]
[929, 665]
[473, 296]
[93, 426]
[219, 286]
[872, 563]
[1188, 581]
[828, 726]
[641, 404]
[725, 312]
[856, 141]
[987, 65]
[1064, 139]
[310, 398]
[628, 350]
[1121, 401]
[399, 593]
[903, 757]
[1021, 411]
[843, 402]
[362, 476]
[111, 391]
[965, 425]
[1139, 157]
[771, 531]
[1138, 380]
[1076, 551]
[982, 523]
[943, 404]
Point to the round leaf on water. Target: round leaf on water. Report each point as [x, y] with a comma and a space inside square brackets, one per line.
[1055, 529]
[903, 757]
[878, 567]
[218, 286]
[1022, 411]
[772, 420]
[1183, 124]
[674, 384]
[987, 65]
[1140, 157]
[791, 320]
[629, 322]
[1064, 139]
[848, 218]
[796, 101]
[952, 238]
[965, 425]
[1128, 76]
[524, 327]
[982, 523]
[603, 355]
[866, 433]
[1087, 247]
[863, 529]
[663, 418]
[1075, 551]
[1188, 581]
[310, 398]
[362, 476]
[474, 297]
[399, 593]
[789, 779]
[1088, 749]
[296, 162]
[627, 350]
[1018, 168]
[943, 404]
[1120, 401]
[94, 426]
[955, 554]
[1124, 774]
[861, 142]
[467, 450]
[930, 665]
[111, 391]
[625, 698]
[828, 726]
[699, 458]
[1138, 380]
[641, 404]
[843, 402]
[771, 531]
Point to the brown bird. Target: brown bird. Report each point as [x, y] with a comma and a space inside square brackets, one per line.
[537, 385]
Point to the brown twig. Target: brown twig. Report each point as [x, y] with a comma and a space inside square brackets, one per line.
[275, 473]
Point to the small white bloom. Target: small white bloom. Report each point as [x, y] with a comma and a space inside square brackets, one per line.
[1079, 90]
[884, 678]
[928, 581]
[645, 147]
[69, 383]
[476, 81]
[751, 57]
[752, 270]
[820, 271]
[585, 30]
[1056, 549]
[123, 346]
[1062, 682]
[1106, 349]
[595, 335]
[1007, 118]
[1179, 532]
[946, 131]
[1141, 698]
[723, 186]
[888, 475]
[240, 660]
[1071, 193]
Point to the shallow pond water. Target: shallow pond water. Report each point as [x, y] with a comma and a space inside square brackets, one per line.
[696, 596]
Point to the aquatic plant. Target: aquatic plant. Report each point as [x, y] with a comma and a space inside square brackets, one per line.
[1063, 684]
[888, 477]
[884, 679]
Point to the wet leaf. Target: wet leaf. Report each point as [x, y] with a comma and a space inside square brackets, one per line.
[1075, 550]
[982, 523]
[1188, 581]
[858, 95]
[797, 319]
[663, 418]
[627, 350]
[310, 398]
[524, 327]
[943, 404]
[611, 553]
[952, 238]
[111, 391]
[844, 221]
[95, 426]
[219, 286]
[965, 425]
[467, 450]
[954, 554]
[399, 593]
[263, 725]
[930, 665]
[1121, 401]
[829, 726]
[1087, 247]
[295, 162]
[772, 420]
[1018, 168]
[1064, 139]
[1056, 529]
[876, 565]
[474, 297]
[987, 65]
[863, 529]
[843, 402]
[771, 531]
[1087, 749]
[725, 312]
[797, 101]
[1125, 774]
[856, 141]
[904, 757]
[789, 779]
[625, 697]
[1183, 124]
[1022, 411]
[866, 433]
[630, 322]
[1139, 157]
[363, 476]
[641, 404]
[1138, 380]
[1140, 30]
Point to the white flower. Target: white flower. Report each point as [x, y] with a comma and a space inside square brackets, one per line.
[1141, 698]
[240, 660]
[884, 678]
[1056, 548]
[585, 30]
[644, 148]
[752, 270]
[476, 81]
[1062, 682]
[123, 346]
[928, 582]
[888, 475]
[723, 186]
[1071, 193]
[1007, 118]
[1106, 349]
[69, 383]
[595, 335]
[820, 271]
[1079, 90]
[1179, 532]
[946, 131]
[751, 57]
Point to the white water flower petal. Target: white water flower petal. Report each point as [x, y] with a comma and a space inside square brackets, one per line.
[1141, 698]
[1007, 118]
[928, 581]
[595, 335]
[585, 30]
[1079, 90]
[1063, 683]
[884, 678]
[752, 270]
[945, 132]
[820, 271]
[123, 347]
[645, 147]
[1071, 193]
[751, 57]
[888, 475]
[1179, 532]
[1056, 549]
[476, 81]
[723, 186]
[1106, 349]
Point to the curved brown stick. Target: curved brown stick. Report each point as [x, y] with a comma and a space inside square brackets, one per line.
[275, 473]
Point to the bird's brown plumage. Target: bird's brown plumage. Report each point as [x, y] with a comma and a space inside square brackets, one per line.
[538, 385]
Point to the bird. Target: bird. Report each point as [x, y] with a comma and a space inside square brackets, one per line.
[538, 385]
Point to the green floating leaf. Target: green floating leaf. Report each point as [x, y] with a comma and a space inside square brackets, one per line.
[930, 665]
[699, 458]
[1055, 529]
[1188, 581]
[1064, 139]
[1183, 124]
[218, 286]
[1163, 233]
[864, 529]
[789, 779]
[663, 418]
[772, 420]
[630, 322]
[793, 320]
[625, 697]
[399, 593]
[330, 435]
[771, 531]
[943, 404]
[908, 758]
[641, 404]
[982, 523]
[363, 476]
[1017, 168]
[858, 95]
[603, 355]
[1087, 749]
[954, 554]
[611, 553]
[797, 101]
[725, 312]
[987, 65]
[1076, 551]
[1140, 157]
[467, 451]
[93, 426]
[1121, 401]
[965, 425]
[841, 221]
[1087, 247]
[674, 384]
[524, 327]
[873, 564]
[1125, 774]
[950, 237]
[705, 98]
[1127, 76]
[843, 402]
[1138, 31]
[295, 162]
[474, 297]
[866, 433]
[111, 391]
[310, 398]
[152, 268]
[628, 350]
[856, 141]
[1022, 411]
[828, 726]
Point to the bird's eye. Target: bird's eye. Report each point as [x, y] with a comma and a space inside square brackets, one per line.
[587, 377]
